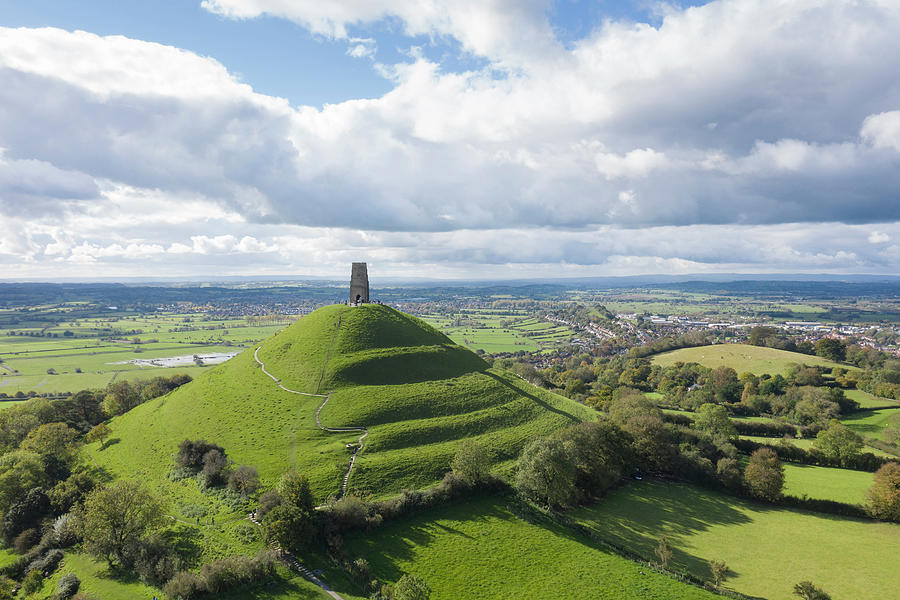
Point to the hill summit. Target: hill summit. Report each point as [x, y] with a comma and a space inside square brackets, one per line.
[366, 368]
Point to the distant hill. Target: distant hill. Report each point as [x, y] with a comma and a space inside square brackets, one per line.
[743, 358]
[416, 391]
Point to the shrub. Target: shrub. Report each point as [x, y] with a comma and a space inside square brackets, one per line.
[244, 479]
[185, 586]
[214, 468]
[191, 453]
[32, 582]
[155, 561]
[48, 562]
[267, 502]
[246, 532]
[67, 586]
[26, 540]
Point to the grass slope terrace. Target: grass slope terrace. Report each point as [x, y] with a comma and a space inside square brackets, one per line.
[416, 391]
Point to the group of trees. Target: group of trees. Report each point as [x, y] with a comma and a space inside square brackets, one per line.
[209, 462]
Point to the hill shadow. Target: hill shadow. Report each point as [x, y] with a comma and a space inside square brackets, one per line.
[543, 403]
[399, 366]
[656, 510]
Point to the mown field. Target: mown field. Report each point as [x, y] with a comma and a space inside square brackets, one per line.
[500, 331]
[481, 549]
[90, 353]
[742, 358]
[767, 549]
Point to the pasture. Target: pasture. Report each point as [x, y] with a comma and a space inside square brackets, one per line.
[91, 353]
[496, 331]
[826, 483]
[768, 549]
[742, 358]
[482, 549]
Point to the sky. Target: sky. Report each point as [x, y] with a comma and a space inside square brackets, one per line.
[500, 139]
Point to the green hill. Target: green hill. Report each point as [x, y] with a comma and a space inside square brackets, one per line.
[743, 358]
[416, 392]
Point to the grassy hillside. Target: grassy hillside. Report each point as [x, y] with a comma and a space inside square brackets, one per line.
[100, 582]
[742, 358]
[417, 392]
[481, 549]
[767, 549]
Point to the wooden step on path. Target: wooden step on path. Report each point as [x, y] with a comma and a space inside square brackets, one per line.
[291, 561]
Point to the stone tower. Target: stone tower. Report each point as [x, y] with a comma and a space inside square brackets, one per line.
[359, 283]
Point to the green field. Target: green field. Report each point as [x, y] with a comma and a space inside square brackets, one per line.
[481, 549]
[867, 400]
[767, 549]
[825, 483]
[500, 331]
[418, 394]
[90, 353]
[742, 358]
[869, 423]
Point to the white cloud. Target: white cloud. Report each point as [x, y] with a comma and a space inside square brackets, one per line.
[883, 130]
[876, 237]
[509, 31]
[362, 48]
[739, 113]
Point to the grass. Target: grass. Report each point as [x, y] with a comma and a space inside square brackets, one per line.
[97, 580]
[767, 549]
[826, 483]
[869, 423]
[494, 331]
[418, 393]
[482, 549]
[97, 344]
[742, 358]
[867, 400]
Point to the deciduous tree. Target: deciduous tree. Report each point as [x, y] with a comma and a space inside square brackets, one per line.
[719, 571]
[838, 442]
[713, 420]
[472, 462]
[545, 472]
[884, 495]
[764, 475]
[99, 433]
[115, 518]
[663, 551]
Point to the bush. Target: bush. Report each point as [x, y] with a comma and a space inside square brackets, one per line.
[221, 575]
[48, 562]
[214, 471]
[66, 530]
[244, 479]
[246, 533]
[32, 582]
[26, 540]
[267, 502]
[185, 586]
[155, 561]
[67, 586]
[191, 453]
